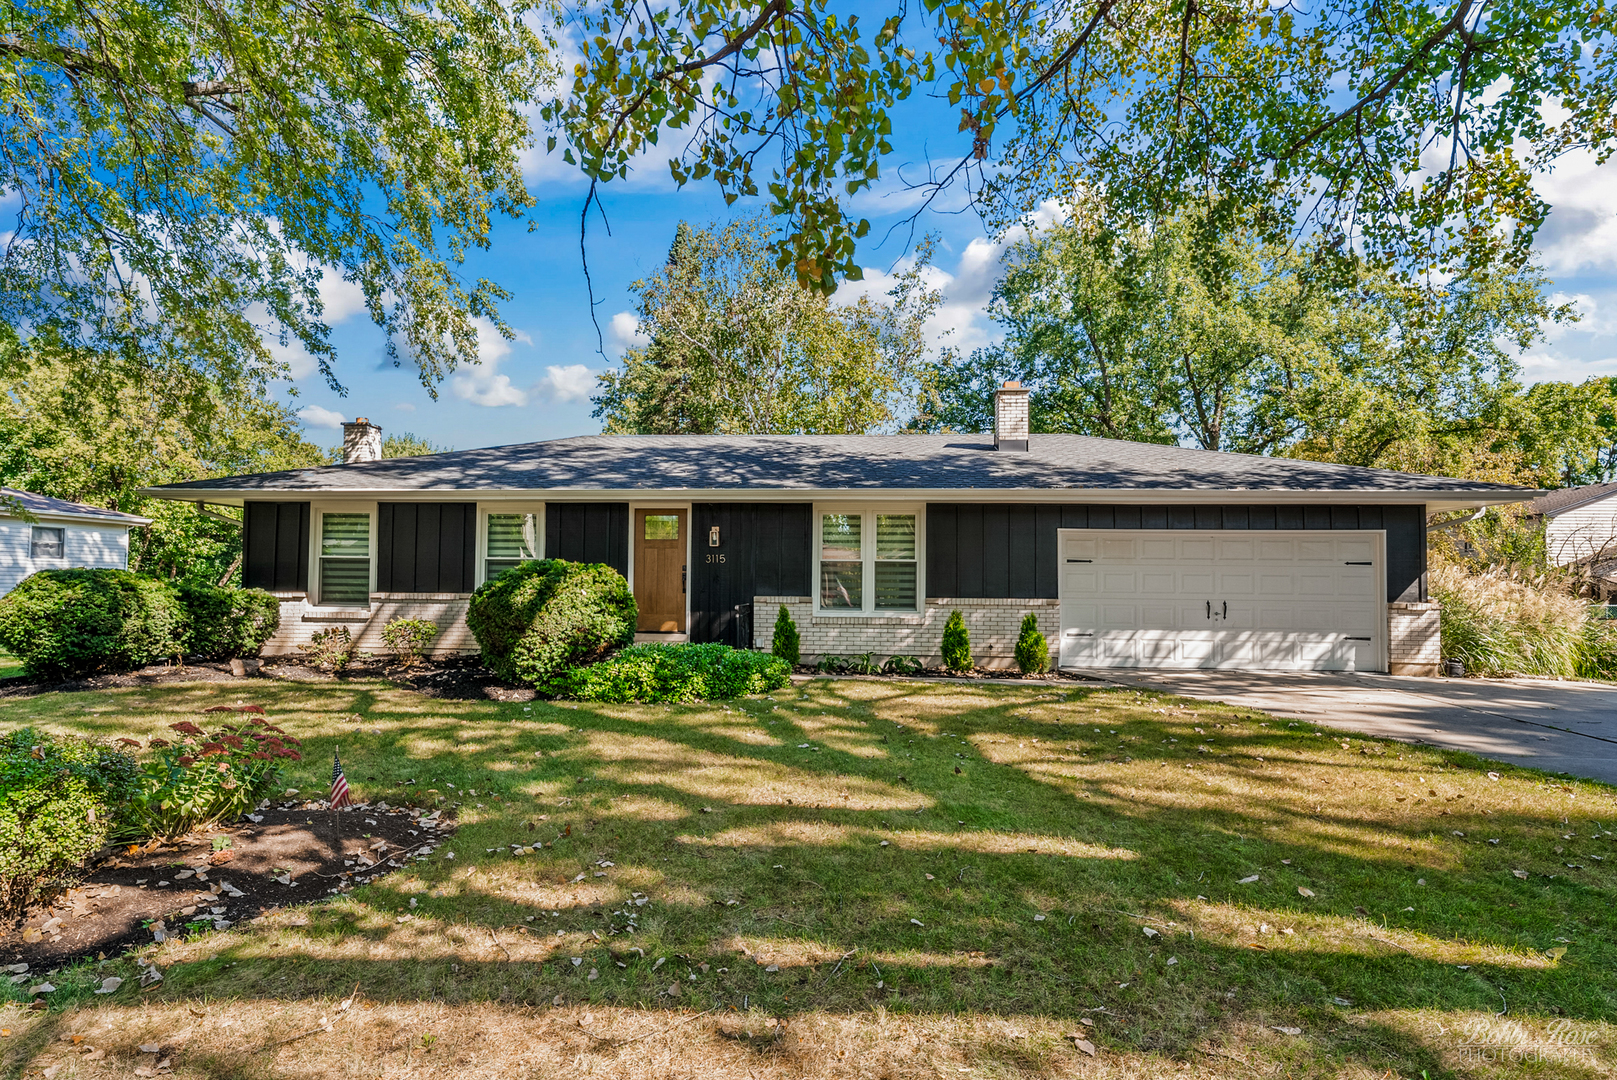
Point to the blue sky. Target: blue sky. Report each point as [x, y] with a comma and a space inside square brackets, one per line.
[537, 386]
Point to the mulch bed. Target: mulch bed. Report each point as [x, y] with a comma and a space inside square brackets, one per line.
[289, 855]
[461, 678]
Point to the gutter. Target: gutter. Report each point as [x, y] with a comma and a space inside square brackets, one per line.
[1430, 529]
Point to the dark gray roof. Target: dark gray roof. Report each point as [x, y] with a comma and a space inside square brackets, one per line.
[45, 505]
[833, 462]
[1557, 502]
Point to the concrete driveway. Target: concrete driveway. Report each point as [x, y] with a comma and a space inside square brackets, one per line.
[1566, 727]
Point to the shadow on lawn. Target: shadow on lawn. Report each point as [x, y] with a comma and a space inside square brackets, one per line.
[996, 806]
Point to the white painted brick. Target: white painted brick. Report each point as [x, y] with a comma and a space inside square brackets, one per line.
[993, 624]
[301, 620]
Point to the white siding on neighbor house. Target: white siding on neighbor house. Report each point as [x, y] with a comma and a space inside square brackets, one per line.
[1582, 531]
[84, 544]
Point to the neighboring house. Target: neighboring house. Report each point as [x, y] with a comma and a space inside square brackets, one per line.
[1580, 526]
[1131, 555]
[64, 535]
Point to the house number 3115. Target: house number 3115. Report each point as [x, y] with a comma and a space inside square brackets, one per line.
[715, 558]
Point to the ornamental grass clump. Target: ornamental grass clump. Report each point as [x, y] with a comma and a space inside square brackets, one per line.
[1497, 625]
[60, 798]
[199, 778]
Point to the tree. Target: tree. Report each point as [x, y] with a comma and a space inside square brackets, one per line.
[56, 441]
[1402, 130]
[185, 174]
[737, 346]
[1203, 331]
[409, 444]
[1568, 432]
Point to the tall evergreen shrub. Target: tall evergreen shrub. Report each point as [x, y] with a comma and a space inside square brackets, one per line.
[788, 644]
[956, 643]
[1032, 651]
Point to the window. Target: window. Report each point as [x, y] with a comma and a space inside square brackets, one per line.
[345, 559]
[512, 538]
[864, 569]
[662, 527]
[48, 543]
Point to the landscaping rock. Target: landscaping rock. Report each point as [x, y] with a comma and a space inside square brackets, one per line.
[241, 667]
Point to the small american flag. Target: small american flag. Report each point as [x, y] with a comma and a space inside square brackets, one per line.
[339, 783]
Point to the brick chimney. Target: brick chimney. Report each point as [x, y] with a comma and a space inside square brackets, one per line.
[361, 441]
[1010, 417]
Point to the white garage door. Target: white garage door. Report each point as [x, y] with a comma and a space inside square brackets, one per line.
[1263, 600]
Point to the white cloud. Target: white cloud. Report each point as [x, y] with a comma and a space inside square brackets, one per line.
[316, 417]
[484, 384]
[405, 406]
[623, 332]
[571, 383]
[1581, 232]
[962, 319]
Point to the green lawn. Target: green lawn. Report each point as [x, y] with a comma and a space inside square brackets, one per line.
[9, 665]
[918, 879]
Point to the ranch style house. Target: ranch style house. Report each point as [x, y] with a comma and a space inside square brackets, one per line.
[1130, 554]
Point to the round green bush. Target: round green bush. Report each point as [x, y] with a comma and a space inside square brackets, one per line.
[59, 799]
[655, 673]
[222, 623]
[67, 623]
[539, 619]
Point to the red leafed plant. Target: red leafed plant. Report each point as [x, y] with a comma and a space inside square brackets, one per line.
[201, 778]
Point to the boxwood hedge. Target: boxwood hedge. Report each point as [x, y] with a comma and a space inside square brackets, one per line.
[653, 673]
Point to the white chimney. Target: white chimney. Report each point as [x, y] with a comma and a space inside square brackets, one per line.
[361, 441]
[1010, 417]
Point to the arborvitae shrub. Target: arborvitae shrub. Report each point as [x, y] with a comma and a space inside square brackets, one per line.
[1032, 651]
[956, 643]
[788, 644]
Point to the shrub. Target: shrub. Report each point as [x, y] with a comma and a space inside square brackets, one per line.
[831, 664]
[69, 623]
[788, 644]
[956, 643]
[654, 673]
[199, 778]
[222, 623]
[540, 620]
[902, 665]
[409, 637]
[330, 649]
[1032, 651]
[59, 799]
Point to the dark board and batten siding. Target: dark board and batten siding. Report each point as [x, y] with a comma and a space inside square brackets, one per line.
[970, 546]
[426, 547]
[765, 552]
[275, 546]
[588, 533]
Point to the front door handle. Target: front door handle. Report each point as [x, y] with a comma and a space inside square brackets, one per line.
[682, 580]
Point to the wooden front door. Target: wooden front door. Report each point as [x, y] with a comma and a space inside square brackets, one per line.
[659, 570]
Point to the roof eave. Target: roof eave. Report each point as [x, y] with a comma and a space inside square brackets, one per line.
[1436, 499]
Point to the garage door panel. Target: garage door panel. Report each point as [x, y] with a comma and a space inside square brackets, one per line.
[1223, 601]
[1158, 549]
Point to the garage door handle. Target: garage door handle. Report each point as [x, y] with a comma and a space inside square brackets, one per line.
[1078, 633]
[1080, 560]
[1356, 639]
[1358, 564]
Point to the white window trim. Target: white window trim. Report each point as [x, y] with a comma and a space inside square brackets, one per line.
[483, 512]
[317, 512]
[867, 543]
[63, 529]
